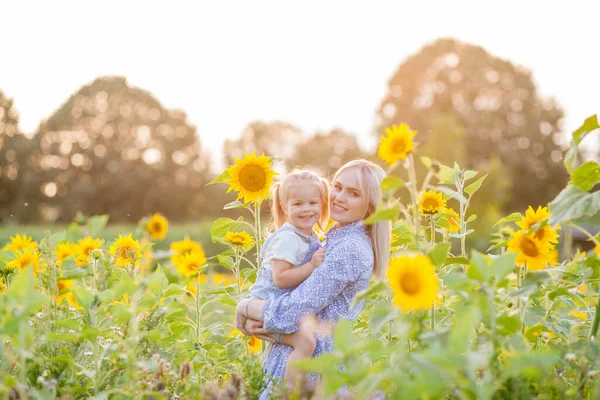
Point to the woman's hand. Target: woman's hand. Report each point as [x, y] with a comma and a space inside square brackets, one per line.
[255, 328]
[240, 316]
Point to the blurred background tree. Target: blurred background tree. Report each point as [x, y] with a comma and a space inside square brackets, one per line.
[14, 172]
[326, 152]
[496, 104]
[271, 138]
[114, 149]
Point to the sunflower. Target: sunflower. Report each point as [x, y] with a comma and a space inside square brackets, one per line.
[240, 239]
[453, 219]
[157, 226]
[253, 344]
[553, 259]
[413, 281]
[547, 234]
[396, 144]
[65, 250]
[64, 290]
[533, 217]
[321, 232]
[127, 250]
[19, 242]
[146, 260]
[578, 314]
[533, 253]
[251, 177]
[85, 247]
[224, 279]
[188, 264]
[192, 285]
[2, 287]
[25, 258]
[431, 202]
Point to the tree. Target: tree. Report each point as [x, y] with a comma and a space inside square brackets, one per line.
[326, 151]
[14, 147]
[114, 149]
[271, 138]
[497, 105]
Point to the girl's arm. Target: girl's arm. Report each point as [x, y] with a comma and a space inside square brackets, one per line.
[286, 277]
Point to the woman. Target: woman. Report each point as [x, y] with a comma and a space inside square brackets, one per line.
[354, 252]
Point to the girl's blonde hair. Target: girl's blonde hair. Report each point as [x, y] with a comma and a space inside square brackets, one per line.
[279, 192]
[370, 176]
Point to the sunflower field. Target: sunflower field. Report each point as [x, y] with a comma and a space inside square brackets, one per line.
[86, 317]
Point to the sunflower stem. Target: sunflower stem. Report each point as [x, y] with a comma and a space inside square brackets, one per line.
[594, 329]
[413, 193]
[198, 310]
[432, 220]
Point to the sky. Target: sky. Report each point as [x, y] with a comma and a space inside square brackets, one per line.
[315, 64]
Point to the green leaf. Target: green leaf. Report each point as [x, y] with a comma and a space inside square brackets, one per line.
[510, 218]
[391, 183]
[472, 218]
[83, 297]
[233, 204]
[463, 332]
[470, 174]
[480, 269]
[57, 238]
[74, 273]
[473, 187]
[508, 325]
[174, 290]
[589, 125]
[222, 225]
[571, 204]
[452, 193]
[531, 365]
[586, 175]
[344, 337]
[96, 223]
[502, 266]
[426, 161]
[439, 254]
[221, 178]
[457, 260]
[447, 175]
[226, 262]
[388, 214]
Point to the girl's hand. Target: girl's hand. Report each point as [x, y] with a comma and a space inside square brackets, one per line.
[318, 257]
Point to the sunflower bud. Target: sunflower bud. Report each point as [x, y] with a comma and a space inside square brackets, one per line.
[96, 253]
[435, 166]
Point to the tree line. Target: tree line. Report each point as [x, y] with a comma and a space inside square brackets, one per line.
[115, 149]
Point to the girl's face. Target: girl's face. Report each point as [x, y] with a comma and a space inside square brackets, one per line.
[347, 202]
[303, 205]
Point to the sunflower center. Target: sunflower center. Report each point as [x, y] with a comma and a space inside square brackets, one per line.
[157, 227]
[192, 266]
[253, 178]
[540, 233]
[410, 283]
[430, 204]
[529, 248]
[398, 146]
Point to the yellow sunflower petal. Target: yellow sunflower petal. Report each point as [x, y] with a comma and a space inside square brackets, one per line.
[396, 144]
[413, 281]
[251, 177]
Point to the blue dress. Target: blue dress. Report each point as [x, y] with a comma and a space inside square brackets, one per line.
[327, 293]
[264, 286]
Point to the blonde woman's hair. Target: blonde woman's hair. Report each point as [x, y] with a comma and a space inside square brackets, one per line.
[279, 195]
[370, 176]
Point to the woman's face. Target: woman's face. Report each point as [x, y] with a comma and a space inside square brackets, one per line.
[347, 202]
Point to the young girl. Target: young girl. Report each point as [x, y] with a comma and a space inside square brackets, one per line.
[292, 252]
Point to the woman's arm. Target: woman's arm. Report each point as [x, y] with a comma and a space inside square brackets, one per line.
[342, 265]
